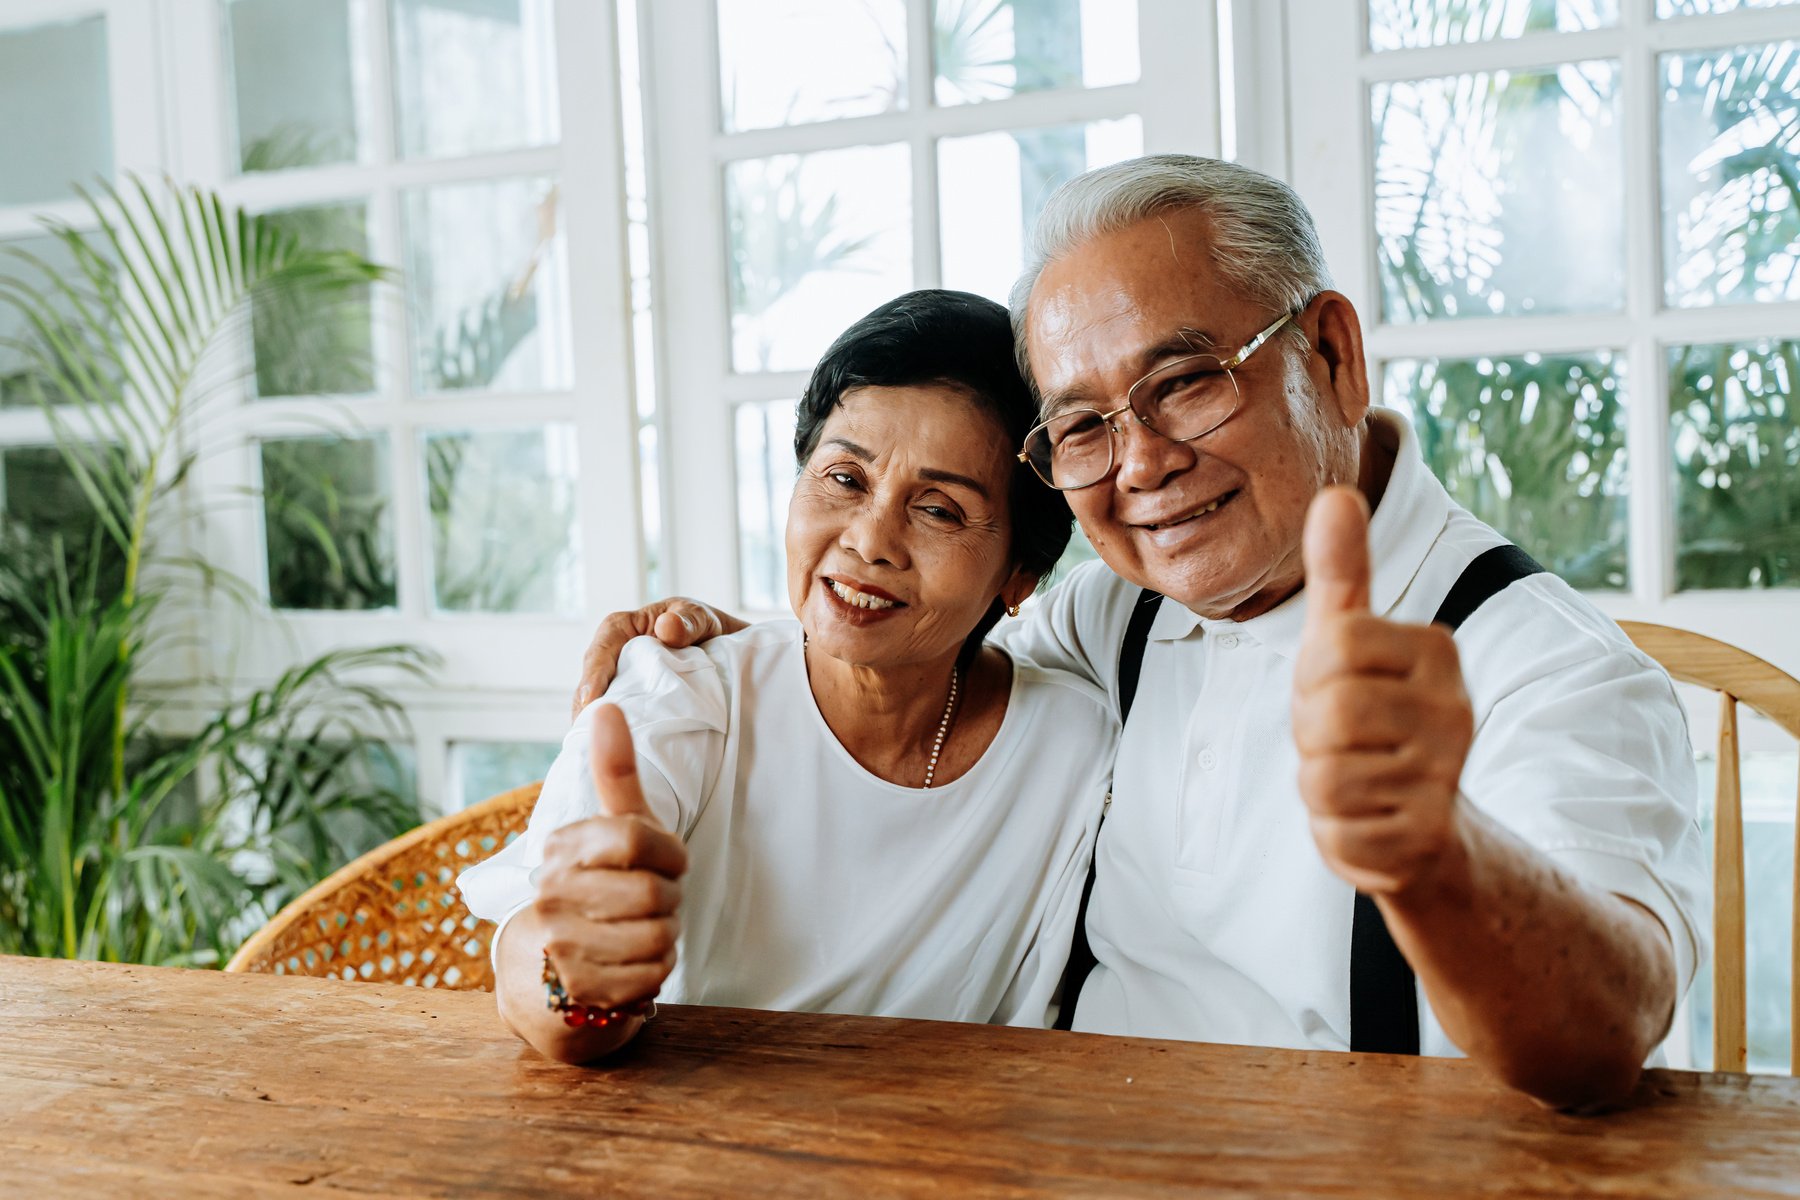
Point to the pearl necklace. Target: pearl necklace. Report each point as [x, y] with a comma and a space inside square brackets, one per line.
[943, 731]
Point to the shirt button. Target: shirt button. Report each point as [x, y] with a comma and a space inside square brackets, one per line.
[1228, 641]
[1208, 760]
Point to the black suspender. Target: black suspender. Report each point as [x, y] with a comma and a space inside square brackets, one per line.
[1384, 997]
[1131, 662]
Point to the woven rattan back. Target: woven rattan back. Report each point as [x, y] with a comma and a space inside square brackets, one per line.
[394, 915]
[1736, 675]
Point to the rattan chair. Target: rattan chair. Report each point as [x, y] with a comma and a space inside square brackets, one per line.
[1737, 675]
[394, 915]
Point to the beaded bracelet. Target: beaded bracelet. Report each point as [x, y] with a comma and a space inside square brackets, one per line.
[574, 1015]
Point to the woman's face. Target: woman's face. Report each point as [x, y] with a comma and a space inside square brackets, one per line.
[898, 536]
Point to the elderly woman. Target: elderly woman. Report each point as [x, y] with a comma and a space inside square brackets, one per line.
[864, 810]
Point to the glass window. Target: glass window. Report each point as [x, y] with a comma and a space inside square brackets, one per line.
[1767, 782]
[472, 76]
[1407, 24]
[300, 79]
[316, 343]
[991, 49]
[991, 187]
[1736, 445]
[39, 263]
[55, 110]
[41, 496]
[328, 522]
[816, 241]
[765, 483]
[481, 770]
[1500, 193]
[1730, 160]
[789, 62]
[1534, 445]
[503, 530]
[1691, 8]
[487, 286]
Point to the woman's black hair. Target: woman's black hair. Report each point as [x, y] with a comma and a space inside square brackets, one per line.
[934, 336]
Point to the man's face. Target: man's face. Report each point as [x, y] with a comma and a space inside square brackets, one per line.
[1214, 523]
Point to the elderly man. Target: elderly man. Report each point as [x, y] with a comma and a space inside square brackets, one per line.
[1313, 776]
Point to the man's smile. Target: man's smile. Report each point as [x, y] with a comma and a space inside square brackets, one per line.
[1190, 515]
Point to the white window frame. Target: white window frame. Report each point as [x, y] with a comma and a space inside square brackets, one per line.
[1329, 127]
[505, 678]
[1178, 55]
[138, 142]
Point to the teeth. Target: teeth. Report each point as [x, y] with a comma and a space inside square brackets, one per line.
[1199, 512]
[856, 598]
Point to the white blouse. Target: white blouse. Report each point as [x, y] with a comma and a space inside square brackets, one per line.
[814, 885]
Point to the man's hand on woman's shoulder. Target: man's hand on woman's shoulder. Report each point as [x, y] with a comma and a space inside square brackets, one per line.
[676, 622]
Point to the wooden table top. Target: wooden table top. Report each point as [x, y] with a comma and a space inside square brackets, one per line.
[137, 1081]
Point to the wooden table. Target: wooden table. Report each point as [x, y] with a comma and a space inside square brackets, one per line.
[133, 1081]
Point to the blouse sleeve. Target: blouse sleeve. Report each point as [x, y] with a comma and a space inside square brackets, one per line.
[676, 704]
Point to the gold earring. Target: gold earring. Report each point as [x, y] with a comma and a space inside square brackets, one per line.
[1012, 610]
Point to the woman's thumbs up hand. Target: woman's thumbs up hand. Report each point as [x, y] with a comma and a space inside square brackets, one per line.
[609, 889]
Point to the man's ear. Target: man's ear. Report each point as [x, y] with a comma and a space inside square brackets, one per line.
[1336, 332]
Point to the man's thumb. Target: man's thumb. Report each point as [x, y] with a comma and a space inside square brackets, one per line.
[1336, 553]
[615, 764]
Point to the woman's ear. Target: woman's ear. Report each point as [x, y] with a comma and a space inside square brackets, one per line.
[1020, 584]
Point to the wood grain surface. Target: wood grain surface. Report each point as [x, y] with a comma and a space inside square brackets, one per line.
[132, 1081]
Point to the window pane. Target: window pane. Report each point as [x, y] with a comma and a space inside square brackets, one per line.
[487, 286]
[310, 343]
[39, 263]
[992, 186]
[1404, 24]
[1767, 779]
[1688, 8]
[55, 110]
[990, 49]
[817, 240]
[503, 532]
[1737, 464]
[789, 62]
[300, 77]
[40, 495]
[1730, 158]
[479, 770]
[49, 528]
[765, 482]
[1534, 446]
[1499, 193]
[473, 75]
[329, 523]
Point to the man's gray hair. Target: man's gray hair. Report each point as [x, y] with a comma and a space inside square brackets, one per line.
[1263, 240]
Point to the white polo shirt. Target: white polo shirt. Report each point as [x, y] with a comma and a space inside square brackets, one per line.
[1214, 917]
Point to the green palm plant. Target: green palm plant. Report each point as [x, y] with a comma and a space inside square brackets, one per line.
[118, 841]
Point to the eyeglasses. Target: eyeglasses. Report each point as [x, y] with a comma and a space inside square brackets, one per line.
[1184, 399]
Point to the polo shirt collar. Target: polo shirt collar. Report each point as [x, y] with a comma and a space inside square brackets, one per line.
[1402, 531]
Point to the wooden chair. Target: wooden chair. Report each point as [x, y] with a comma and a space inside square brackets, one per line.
[394, 915]
[1737, 675]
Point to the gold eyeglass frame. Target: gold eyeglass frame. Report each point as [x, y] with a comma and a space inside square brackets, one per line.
[1112, 460]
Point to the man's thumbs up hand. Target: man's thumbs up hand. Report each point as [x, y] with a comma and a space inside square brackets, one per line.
[1336, 552]
[1381, 720]
[609, 889]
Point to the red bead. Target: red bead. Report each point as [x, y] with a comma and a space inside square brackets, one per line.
[572, 1018]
